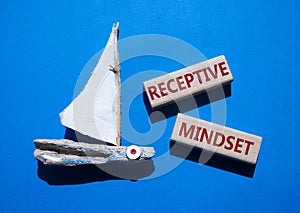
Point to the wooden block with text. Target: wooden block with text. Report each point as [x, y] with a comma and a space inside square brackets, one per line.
[188, 82]
[221, 140]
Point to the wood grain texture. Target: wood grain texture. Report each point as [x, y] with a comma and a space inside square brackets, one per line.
[70, 153]
[216, 138]
[118, 77]
[187, 82]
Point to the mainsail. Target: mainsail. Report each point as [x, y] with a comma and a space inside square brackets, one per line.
[95, 112]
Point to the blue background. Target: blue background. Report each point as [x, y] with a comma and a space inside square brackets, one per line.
[44, 46]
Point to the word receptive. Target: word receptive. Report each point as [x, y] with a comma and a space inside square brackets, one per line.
[217, 139]
[191, 81]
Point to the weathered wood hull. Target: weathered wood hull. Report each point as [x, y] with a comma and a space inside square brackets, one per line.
[69, 153]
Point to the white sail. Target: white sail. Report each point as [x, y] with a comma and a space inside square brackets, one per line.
[95, 112]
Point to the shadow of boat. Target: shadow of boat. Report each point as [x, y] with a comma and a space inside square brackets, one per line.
[72, 175]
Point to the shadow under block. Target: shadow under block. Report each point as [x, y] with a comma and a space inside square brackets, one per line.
[215, 145]
[189, 87]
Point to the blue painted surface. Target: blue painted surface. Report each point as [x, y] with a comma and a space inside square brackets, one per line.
[44, 46]
[65, 160]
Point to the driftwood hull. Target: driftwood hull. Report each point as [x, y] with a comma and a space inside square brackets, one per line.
[69, 153]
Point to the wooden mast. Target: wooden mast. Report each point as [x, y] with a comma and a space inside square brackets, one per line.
[117, 69]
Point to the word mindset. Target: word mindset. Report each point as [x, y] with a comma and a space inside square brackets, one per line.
[216, 138]
[189, 81]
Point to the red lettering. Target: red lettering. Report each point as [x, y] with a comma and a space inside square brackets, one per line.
[198, 76]
[169, 86]
[162, 89]
[214, 74]
[205, 134]
[180, 83]
[229, 142]
[196, 138]
[216, 139]
[249, 143]
[185, 132]
[238, 145]
[222, 69]
[205, 74]
[153, 92]
[189, 78]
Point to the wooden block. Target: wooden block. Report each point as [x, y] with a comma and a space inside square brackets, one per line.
[215, 138]
[187, 82]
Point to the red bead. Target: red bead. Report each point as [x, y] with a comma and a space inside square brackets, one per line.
[133, 151]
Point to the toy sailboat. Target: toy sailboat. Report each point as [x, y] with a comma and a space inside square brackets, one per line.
[95, 113]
